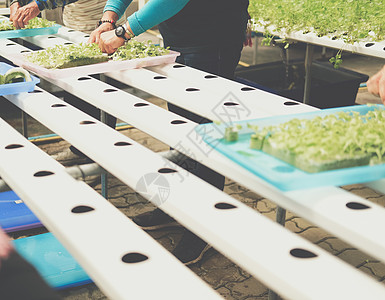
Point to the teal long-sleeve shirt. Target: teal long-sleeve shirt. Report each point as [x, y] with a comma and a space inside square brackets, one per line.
[153, 13]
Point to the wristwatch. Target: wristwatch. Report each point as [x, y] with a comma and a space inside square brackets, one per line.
[121, 31]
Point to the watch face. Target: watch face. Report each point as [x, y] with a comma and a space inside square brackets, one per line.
[119, 31]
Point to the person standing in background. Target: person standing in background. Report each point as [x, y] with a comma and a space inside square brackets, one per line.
[209, 35]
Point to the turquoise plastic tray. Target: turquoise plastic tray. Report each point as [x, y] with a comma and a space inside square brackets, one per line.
[10, 34]
[279, 173]
[18, 87]
[52, 261]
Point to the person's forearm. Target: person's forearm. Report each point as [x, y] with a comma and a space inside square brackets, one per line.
[154, 13]
[116, 6]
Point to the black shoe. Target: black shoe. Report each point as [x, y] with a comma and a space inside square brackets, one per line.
[155, 219]
[190, 249]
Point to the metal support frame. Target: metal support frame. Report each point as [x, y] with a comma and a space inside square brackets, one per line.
[308, 64]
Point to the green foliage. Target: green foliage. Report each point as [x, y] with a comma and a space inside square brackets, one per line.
[332, 137]
[65, 56]
[16, 74]
[61, 56]
[33, 23]
[349, 20]
[134, 49]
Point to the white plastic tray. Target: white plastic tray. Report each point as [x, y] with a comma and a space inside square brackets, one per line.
[109, 66]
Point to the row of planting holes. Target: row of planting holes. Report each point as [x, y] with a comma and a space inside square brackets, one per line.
[296, 252]
[135, 257]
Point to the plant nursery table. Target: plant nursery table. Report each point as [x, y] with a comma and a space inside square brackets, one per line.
[130, 264]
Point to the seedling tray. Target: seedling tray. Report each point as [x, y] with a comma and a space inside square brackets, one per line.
[18, 87]
[53, 262]
[103, 67]
[14, 214]
[277, 172]
[17, 33]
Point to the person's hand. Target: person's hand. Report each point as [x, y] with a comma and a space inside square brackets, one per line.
[20, 16]
[248, 40]
[13, 9]
[5, 246]
[376, 84]
[109, 42]
[95, 35]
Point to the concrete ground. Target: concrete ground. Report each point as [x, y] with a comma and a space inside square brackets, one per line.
[227, 278]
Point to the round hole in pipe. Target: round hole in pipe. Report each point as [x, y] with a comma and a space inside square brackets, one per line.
[247, 89]
[178, 66]
[302, 253]
[290, 103]
[224, 205]
[230, 104]
[35, 92]
[177, 122]
[110, 90]
[25, 51]
[134, 257]
[13, 146]
[84, 78]
[167, 171]
[369, 44]
[43, 173]
[210, 76]
[120, 144]
[52, 37]
[160, 77]
[192, 90]
[87, 36]
[80, 209]
[68, 43]
[58, 105]
[10, 44]
[71, 30]
[87, 122]
[356, 205]
[139, 104]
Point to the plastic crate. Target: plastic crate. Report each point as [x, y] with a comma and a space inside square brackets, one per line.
[330, 87]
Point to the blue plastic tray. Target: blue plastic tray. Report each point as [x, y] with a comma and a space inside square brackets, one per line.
[14, 214]
[279, 173]
[52, 261]
[10, 34]
[18, 87]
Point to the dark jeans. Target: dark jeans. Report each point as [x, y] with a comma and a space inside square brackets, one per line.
[219, 60]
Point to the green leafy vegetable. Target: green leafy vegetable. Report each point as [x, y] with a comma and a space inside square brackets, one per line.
[65, 56]
[324, 143]
[33, 23]
[61, 56]
[134, 49]
[349, 20]
[15, 75]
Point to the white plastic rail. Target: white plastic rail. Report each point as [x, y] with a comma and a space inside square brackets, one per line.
[120, 257]
[279, 258]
